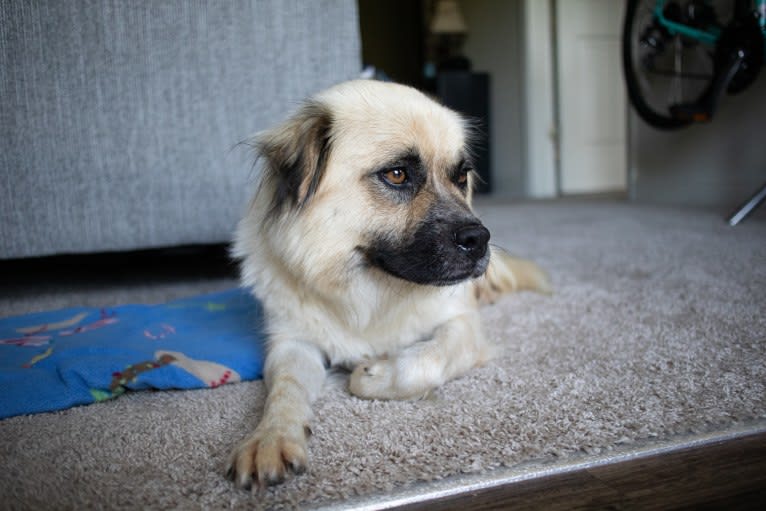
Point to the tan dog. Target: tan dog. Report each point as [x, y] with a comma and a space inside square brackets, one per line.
[363, 248]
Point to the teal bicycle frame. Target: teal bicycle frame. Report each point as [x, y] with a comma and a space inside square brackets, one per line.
[706, 36]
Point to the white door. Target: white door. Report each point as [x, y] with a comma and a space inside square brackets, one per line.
[592, 104]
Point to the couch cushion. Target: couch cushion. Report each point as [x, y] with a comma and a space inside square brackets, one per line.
[119, 120]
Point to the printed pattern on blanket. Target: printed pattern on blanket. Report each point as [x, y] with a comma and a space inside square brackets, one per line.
[54, 360]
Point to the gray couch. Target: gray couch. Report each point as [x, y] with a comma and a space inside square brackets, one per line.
[119, 120]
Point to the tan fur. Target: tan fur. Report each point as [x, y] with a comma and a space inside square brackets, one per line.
[506, 274]
[299, 246]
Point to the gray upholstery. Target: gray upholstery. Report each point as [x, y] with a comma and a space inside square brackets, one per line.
[119, 120]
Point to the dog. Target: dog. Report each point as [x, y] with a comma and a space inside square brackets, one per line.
[362, 246]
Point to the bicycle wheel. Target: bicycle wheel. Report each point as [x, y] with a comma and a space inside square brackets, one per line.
[665, 71]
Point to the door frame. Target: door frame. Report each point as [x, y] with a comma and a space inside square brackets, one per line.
[541, 142]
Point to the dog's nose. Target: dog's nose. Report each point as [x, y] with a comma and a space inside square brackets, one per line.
[473, 240]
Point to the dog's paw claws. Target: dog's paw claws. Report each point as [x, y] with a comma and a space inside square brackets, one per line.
[275, 479]
[266, 458]
[296, 469]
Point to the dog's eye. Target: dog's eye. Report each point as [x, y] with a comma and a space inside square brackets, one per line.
[396, 177]
[461, 179]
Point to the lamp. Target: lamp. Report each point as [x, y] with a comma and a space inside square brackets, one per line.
[448, 19]
[449, 29]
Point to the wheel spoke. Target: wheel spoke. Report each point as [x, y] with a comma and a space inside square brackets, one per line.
[685, 76]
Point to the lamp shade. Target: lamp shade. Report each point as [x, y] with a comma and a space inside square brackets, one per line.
[448, 19]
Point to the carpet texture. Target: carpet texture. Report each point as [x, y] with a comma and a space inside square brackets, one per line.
[656, 329]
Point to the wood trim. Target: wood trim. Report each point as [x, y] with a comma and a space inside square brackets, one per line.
[728, 474]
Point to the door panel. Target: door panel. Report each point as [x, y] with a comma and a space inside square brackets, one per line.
[592, 104]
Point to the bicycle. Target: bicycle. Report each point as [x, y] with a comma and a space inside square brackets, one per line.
[681, 56]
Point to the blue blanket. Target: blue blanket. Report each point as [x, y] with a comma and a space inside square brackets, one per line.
[55, 360]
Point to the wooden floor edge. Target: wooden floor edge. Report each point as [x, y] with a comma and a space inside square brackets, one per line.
[720, 469]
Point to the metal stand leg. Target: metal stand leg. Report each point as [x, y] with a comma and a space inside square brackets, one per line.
[748, 207]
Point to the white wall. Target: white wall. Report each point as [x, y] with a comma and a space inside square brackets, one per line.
[717, 164]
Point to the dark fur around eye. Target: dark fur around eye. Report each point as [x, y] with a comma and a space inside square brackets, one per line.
[460, 174]
[403, 177]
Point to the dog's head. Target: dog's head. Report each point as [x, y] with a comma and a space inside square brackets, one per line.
[371, 175]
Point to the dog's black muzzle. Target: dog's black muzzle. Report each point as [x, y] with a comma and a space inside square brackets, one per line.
[443, 250]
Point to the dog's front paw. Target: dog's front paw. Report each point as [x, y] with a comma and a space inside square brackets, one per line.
[374, 380]
[268, 455]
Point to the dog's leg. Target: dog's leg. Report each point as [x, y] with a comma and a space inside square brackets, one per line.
[457, 346]
[506, 274]
[294, 374]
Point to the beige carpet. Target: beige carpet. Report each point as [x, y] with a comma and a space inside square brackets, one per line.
[657, 328]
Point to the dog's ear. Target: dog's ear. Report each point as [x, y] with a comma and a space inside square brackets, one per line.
[295, 155]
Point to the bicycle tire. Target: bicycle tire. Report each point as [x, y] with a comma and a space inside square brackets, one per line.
[635, 94]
